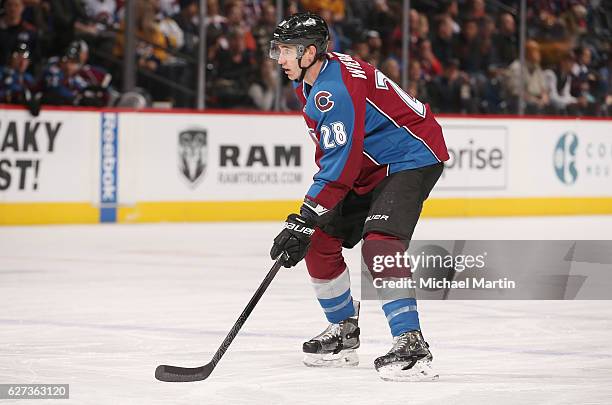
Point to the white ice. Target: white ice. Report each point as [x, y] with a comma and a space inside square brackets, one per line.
[98, 307]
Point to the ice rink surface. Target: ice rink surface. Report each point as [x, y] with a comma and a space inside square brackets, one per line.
[98, 307]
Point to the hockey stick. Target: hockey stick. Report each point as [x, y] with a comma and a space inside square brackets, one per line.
[186, 374]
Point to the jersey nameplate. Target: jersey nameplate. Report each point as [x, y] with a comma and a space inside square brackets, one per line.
[352, 65]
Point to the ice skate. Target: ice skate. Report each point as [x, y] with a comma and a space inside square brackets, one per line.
[408, 360]
[335, 346]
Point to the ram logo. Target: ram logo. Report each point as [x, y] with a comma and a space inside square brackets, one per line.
[193, 154]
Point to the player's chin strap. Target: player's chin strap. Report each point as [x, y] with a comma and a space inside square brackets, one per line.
[305, 69]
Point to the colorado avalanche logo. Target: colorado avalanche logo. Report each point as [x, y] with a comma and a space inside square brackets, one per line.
[323, 101]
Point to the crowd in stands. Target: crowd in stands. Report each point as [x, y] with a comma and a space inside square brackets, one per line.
[463, 54]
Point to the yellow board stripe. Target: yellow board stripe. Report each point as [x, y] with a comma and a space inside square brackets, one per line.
[175, 211]
[48, 213]
[207, 211]
[493, 207]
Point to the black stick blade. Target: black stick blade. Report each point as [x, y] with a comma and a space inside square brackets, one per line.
[183, 374]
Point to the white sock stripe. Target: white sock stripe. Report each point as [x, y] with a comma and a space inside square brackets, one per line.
[339, 306]
[326, 289]
[401, 310]
[387, 295]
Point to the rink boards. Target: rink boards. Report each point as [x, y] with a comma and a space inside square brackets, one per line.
[90, 166]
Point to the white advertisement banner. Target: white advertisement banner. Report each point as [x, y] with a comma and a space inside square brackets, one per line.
[527, 158]
[49, 158]
[68, 156]
[181, 157]
[572, 159]
[478, 157]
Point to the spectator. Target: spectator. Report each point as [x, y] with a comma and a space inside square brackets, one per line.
[375, 46]
[358, 12]
[506, 40]
[292, 7]
[16, 84]
[264, 28]
[430, 64]
[487, 47]
[419, 29]
[417, 86]
[235, 70]
[97, 91]
[547, 27]
[361, 50]
[173, 34]
[575, 20]
[61, 84]
[187, 20]
[216, 25]
[263, 90]
[35, 13]
[102, 12]
[555, 7]
[214, 19]
[476, 10]
[415, 30]
[14, 30]
[423, 26]
[168, 7]
[370, 30]
[173, 68]
[493, 98]
[469, 48]
[151, 47]
[587, 81]
[236, 22]
[445, 42]
[335, 7]
[607, 101]
[451, 92]
[382, 20]
[103, 15]
[252, 10]
[535, 90]
[582, 65]
[69, 19]
[338, 42]
[391, 68]
[451, 9]
[559, 83]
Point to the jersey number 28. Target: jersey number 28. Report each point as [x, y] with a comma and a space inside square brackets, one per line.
[336, 136]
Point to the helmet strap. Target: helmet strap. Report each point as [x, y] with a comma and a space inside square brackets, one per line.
[305, 69]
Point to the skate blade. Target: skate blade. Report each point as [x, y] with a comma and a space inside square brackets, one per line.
[421, 371]
[346, 358]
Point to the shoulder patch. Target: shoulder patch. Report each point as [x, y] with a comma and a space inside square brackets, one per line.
[323, 101]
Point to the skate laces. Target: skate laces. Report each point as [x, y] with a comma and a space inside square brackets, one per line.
[332, 331]
[400, 343]
[408, 341]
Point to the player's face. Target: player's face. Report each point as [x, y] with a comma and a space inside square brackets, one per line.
[287, 59]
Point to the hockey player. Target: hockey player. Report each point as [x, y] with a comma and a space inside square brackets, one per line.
[16, 83]
[379, 153]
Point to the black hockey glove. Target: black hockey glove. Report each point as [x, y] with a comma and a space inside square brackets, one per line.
[294, 240]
